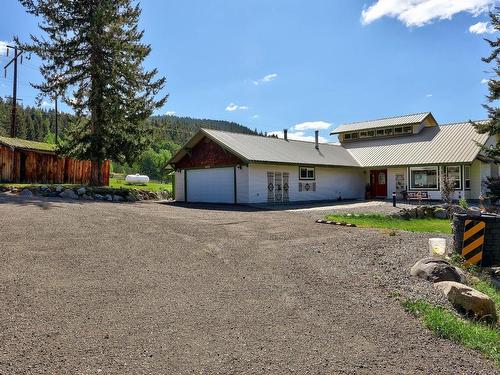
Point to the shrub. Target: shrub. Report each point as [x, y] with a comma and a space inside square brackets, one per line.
[463, 203]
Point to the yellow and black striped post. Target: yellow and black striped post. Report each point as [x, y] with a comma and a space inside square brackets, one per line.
[472, 246]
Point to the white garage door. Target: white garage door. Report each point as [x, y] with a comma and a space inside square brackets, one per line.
[215, 185]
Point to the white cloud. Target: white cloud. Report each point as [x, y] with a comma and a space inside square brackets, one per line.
[428, 96]
[485, 81]
[170, 113]
[421, 12]
[265, 79]
[3, 47]
[312, 125]
[47, 104]
[481, 28]
[255, 116]
[298, 136]
[234, 107]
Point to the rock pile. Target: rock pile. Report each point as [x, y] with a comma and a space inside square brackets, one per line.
[89, 193]
[442, 211]
[450, 280]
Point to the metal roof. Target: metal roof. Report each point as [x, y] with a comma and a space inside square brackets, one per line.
[450, 143]
[445, 144]
[416, 118]
[27, 145]
[254, 148]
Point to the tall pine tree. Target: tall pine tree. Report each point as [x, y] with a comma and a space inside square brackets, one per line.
[493, 125]
[92, 59]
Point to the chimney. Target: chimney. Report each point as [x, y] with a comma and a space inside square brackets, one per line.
[316, 139]
[285, 134]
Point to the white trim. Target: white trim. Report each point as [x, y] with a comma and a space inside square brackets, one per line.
[470, 177]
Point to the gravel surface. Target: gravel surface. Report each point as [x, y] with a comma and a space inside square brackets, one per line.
[147, 288]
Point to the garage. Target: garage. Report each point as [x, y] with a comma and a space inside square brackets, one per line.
[213, 185]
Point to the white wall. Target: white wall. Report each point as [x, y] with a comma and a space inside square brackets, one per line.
[391, 180]
[476, 183]
[179, 186]
[330, 183]
[242, 184]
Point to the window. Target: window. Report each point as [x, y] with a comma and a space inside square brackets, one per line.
[455, 173]
[354, 135]
[347, 136]
[306, 173]
[380, 132]
[407, 129]
[424, 178]
[467, 176]
[388, 131]
[371, 133]
[398, 130]
[363, 134]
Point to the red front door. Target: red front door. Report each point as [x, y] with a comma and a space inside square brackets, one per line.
[378, 183]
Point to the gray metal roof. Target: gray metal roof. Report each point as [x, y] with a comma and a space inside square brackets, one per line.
[451, 143]
[416, 118]
[253, 148]
[445, 144]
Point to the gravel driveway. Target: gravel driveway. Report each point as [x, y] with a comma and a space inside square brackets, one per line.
[146, 288]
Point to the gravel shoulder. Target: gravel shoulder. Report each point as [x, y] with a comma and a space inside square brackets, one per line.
[150, 288]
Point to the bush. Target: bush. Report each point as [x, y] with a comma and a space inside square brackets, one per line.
[493, 186]
[463, 203]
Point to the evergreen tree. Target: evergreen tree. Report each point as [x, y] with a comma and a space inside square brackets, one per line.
[93, 57]
[493, 125]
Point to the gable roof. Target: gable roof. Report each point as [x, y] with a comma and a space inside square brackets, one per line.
[416, 118]
[445, 144]
[254, 148]
[27, 145]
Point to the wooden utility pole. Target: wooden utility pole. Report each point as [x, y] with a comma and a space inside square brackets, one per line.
[57, 127]
[13, 120]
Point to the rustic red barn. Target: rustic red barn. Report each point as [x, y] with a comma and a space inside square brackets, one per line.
[23, 161]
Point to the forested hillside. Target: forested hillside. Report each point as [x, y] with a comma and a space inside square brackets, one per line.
[168, 134]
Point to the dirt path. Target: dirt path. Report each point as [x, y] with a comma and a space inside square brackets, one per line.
[100, 288]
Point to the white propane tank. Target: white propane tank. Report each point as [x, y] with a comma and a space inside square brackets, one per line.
[136, 179]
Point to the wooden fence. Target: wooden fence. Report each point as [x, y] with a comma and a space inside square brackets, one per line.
[35, 167]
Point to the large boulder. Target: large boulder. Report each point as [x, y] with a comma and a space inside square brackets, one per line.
[68, 194]
[81, 191]
[474, 211]
[468, 300]
[440, 213]
[117, 198]
[436, 270]
[26, 193]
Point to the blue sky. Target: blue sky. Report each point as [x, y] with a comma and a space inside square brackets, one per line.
[301, 65]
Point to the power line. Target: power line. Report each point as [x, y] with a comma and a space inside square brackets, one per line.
[17, 53]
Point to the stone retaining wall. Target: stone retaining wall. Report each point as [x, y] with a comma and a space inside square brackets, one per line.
[491, 247]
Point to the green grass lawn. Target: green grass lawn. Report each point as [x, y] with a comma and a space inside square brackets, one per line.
[444, 323]
[381, 221]
[117, 183]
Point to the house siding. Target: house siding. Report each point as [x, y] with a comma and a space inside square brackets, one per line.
[242, 184]
[179, 186]
[391, 181]
[330, 183]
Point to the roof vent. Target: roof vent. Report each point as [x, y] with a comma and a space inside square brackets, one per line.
[316, 139]
[285, 134]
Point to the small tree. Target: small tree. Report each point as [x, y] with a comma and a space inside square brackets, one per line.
[93, 57]
[493, 185]
[492, 127]
[448, 191]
